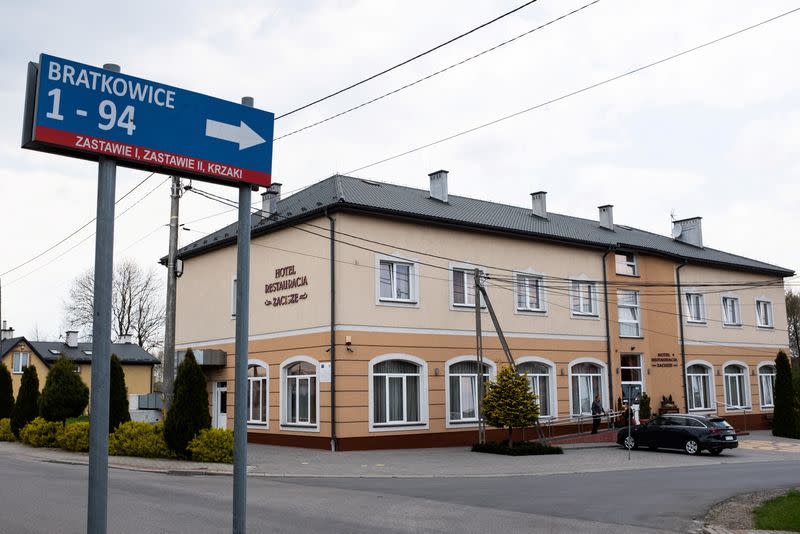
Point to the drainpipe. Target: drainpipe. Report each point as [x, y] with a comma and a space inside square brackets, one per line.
[608, 332]
[683, 344]
[333, 328]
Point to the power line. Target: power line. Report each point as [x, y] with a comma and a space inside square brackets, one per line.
[420, 80]
[573, 93]
[407, 61]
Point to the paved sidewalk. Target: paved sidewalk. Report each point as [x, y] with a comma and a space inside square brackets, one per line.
[274, 461]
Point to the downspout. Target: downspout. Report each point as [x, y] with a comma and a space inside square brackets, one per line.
[608, 331]
[333, 328]
[683, 344]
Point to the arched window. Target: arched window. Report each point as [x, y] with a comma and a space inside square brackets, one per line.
[463, 390]
[300, 394]
[396, 392]
[766, 383]
[539, 381]
[587, 381]
[698, 383]
[257, 393]
[736, 395]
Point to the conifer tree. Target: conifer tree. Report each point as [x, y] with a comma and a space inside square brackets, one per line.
[189, 412]
[64, 394]
[784, 422]
[118, 410]
[26, 408]
[509, 402]
[6, 393]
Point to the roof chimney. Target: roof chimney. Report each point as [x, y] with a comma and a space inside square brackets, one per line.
[688, 231]
[72, 338]
[539, 204]
[439, 185]
[126, 338]
[5, 332]
[607, 216]
[269, 200]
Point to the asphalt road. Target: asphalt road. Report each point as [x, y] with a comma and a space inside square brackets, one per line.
[40, 497]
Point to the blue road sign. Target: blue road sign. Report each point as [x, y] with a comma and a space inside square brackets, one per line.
[86, 111]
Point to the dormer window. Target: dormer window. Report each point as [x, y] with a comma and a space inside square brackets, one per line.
[626, 264]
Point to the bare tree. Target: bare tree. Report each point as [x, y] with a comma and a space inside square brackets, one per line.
[137, 304]
[793, 318]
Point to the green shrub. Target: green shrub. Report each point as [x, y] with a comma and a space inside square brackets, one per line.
[74, 437]
[139, 439]
[520, 448]
[27, 405]
[784, 422]
[79, 419]
[212, 445]
[64, 394]
[41, 433]
[644, 407]
[5, 430]
[509, 402]
[6, 393]
[189, 412]
[118, 410]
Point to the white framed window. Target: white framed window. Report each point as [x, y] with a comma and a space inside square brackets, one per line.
[529, 292]
[20, 361]
[584, 297]
[731, 315]
[233, 298]
[397, 280]
[695, 308]
[700, 386]
[398, 392]
[257, 393]
[631, 377]
[462, 286]
[736, 391]
[766, 384]
[626, 264]
[764, 313]
[300, 399]
[541, 382]
[586, 381]
[462, 388]
[628, 311]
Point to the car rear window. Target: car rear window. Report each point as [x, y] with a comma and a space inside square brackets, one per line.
[719, 423]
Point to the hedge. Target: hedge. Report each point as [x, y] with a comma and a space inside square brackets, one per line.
[139, 439]
[212, 445]
[520, 448]
[41, 433]
[5, 430]
[74, 437]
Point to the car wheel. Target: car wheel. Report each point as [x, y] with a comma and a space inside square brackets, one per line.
[692, 447]
[630, 443]
[715, 452]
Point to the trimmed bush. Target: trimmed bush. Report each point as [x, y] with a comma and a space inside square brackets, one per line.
[212, 445]
[509, 402]
[189, 412]
[26, 408]
[41, 433]
[519, 448]
[784, 421]
[139, 439]
[5, 430]
[118, 410]
[644, 407]
[6, 393]
[64, 394]
[74, 437]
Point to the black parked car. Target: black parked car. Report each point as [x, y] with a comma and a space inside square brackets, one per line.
[692, 433]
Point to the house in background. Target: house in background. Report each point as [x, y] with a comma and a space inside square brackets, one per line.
[17, 353]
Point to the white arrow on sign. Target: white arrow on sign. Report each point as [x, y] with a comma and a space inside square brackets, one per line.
[242, 134]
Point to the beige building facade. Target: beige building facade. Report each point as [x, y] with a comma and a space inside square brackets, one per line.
[363, 322]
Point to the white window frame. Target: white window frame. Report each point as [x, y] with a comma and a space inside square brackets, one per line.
[574, 290]
[761, 384]
[233, 297]
[16, 361]
[770, 312]
[423, 423]
[690, 295]
[463, 423]
[737, 311]
[469, 271]
[413, 300]
[630, 263]
[745, 383]
[637, 312]
[712, 401]
[640, 369]
[603, 384]
[551, 383]
[257, 423]
[285, 424]
[527, 275]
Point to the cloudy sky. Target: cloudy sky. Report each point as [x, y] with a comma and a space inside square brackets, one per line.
[713, 133]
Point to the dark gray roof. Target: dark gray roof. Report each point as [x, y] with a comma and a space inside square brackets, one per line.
[50, 351]
[367, 196]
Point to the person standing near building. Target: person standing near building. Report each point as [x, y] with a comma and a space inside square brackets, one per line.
[597, 411]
